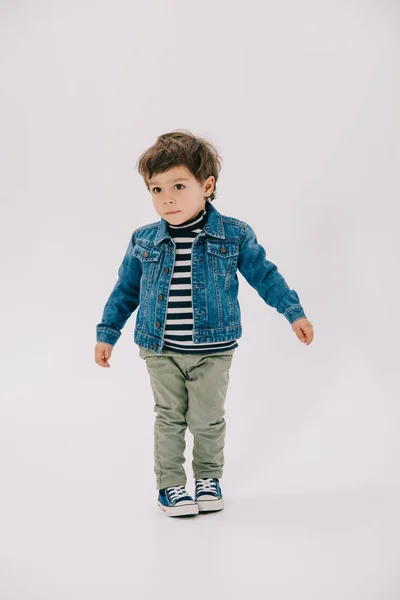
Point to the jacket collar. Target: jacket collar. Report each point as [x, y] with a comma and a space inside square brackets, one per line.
[214, 225]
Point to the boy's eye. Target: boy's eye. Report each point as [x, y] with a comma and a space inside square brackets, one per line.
[157, 188]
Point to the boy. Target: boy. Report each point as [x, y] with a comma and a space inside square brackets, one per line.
[181, 271]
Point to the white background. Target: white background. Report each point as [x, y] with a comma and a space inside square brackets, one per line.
[302, 100]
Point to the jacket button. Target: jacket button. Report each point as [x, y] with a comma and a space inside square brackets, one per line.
[223, 249]
[165, 269]
[146, 253]
[154, 346]
[158, 324]
[160, 296]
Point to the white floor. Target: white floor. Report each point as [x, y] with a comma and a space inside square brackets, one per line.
[95, 540]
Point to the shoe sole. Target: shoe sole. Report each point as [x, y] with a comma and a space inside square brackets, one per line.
[179, 511]
[210, 505]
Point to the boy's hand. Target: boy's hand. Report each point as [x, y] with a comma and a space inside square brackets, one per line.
[304, 330]
[102, 353]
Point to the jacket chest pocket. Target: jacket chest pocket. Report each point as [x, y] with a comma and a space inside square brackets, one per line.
[222, 256]
[148, 256]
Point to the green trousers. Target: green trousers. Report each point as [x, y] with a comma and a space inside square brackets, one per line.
[189, 391]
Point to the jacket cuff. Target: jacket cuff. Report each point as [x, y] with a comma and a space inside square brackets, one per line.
[107, 334]
[293, 313]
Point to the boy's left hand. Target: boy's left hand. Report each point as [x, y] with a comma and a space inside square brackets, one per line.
[304, 330]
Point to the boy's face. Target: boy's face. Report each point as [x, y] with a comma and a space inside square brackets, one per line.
[177, 190]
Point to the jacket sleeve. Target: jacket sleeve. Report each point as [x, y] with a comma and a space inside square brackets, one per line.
[264, 277]
[123, 300]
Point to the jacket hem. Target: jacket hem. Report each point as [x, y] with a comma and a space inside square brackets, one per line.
[226, 334]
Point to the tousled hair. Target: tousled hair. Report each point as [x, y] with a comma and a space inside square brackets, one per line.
[181, 148]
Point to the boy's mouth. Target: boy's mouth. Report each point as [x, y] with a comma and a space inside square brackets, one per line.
[172, 212]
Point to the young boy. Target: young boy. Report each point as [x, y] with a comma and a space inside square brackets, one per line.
[181, 271]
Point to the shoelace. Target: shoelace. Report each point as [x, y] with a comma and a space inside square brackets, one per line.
[206, 485]
[176, 492]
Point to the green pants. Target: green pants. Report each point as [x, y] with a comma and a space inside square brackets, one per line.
[189, 391]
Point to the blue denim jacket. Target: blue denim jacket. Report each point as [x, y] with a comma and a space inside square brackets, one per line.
[224, 246]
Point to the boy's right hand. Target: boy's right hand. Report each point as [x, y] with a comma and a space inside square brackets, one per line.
[102, 353]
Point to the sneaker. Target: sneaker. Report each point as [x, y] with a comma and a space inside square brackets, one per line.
[208, 494]
[175, 501]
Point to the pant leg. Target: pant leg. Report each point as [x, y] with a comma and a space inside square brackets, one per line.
[207, 384]
[167, 379]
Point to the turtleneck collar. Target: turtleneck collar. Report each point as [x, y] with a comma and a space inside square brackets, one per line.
[196, 221]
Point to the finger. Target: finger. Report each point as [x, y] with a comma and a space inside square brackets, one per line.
[309, 340]
[100, 359]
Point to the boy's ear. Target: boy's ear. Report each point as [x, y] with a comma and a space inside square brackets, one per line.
[209, 184]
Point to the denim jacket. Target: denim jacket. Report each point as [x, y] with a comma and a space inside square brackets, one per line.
[224, 246]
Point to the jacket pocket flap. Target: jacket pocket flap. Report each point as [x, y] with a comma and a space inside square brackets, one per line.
[222, 249]
[146, 253]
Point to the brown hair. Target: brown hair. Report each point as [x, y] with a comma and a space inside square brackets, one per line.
[181, 148]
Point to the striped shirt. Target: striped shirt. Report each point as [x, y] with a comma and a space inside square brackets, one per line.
[178, 335]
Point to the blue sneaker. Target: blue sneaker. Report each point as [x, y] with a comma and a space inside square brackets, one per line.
[175, 501]
[208, 494]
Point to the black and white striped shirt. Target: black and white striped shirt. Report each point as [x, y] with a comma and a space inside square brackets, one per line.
[178, 335]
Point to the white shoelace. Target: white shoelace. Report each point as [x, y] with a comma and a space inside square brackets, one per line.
[176, 492]
[206, 485]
